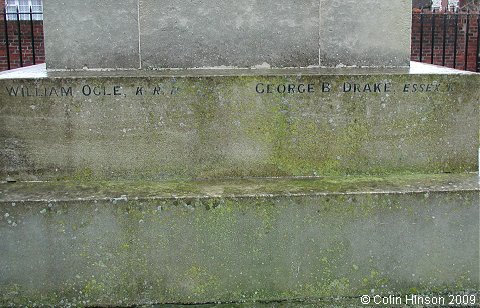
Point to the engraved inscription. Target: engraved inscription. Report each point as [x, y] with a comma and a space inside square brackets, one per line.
[290, 88]
[23, 91]
[89, 90]
[379, 87]
[261, 88]
[352, 87]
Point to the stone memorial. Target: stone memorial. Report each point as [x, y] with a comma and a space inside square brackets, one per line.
[154, 34]
[266, 151]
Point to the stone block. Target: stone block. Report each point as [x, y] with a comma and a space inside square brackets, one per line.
[242, 33]
[365, 33]
[91, 34]
[177, 34]
[189, 126]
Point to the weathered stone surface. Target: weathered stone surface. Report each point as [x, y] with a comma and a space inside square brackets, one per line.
[211, 127]
[182, 242]
[222, 126]
[282, 33]
[93, 34]
[365, 33]
[244, 33]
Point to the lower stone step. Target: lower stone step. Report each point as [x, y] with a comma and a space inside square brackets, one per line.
[129, 243]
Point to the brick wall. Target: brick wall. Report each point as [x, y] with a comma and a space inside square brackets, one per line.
[447, 19]
[25, 42]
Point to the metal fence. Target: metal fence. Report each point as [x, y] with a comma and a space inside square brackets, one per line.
[22, 39]
[447, 38]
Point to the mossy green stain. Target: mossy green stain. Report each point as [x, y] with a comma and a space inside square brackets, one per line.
[84, 175]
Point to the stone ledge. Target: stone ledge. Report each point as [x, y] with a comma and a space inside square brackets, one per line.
[229, 241]
[39, 71]
[236, 188]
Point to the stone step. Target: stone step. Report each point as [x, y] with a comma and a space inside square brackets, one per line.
[271, 239]
[237, 123]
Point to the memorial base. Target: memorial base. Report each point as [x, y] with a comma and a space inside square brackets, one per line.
[131, 243]
[302, 187]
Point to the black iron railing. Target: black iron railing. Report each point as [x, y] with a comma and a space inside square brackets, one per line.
[22, 38]
[447, 38]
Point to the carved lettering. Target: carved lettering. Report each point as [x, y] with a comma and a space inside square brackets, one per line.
[23, 91]
[421, 87]
[88, 90]
[378, 87]
[326, 87]
[290, 88]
